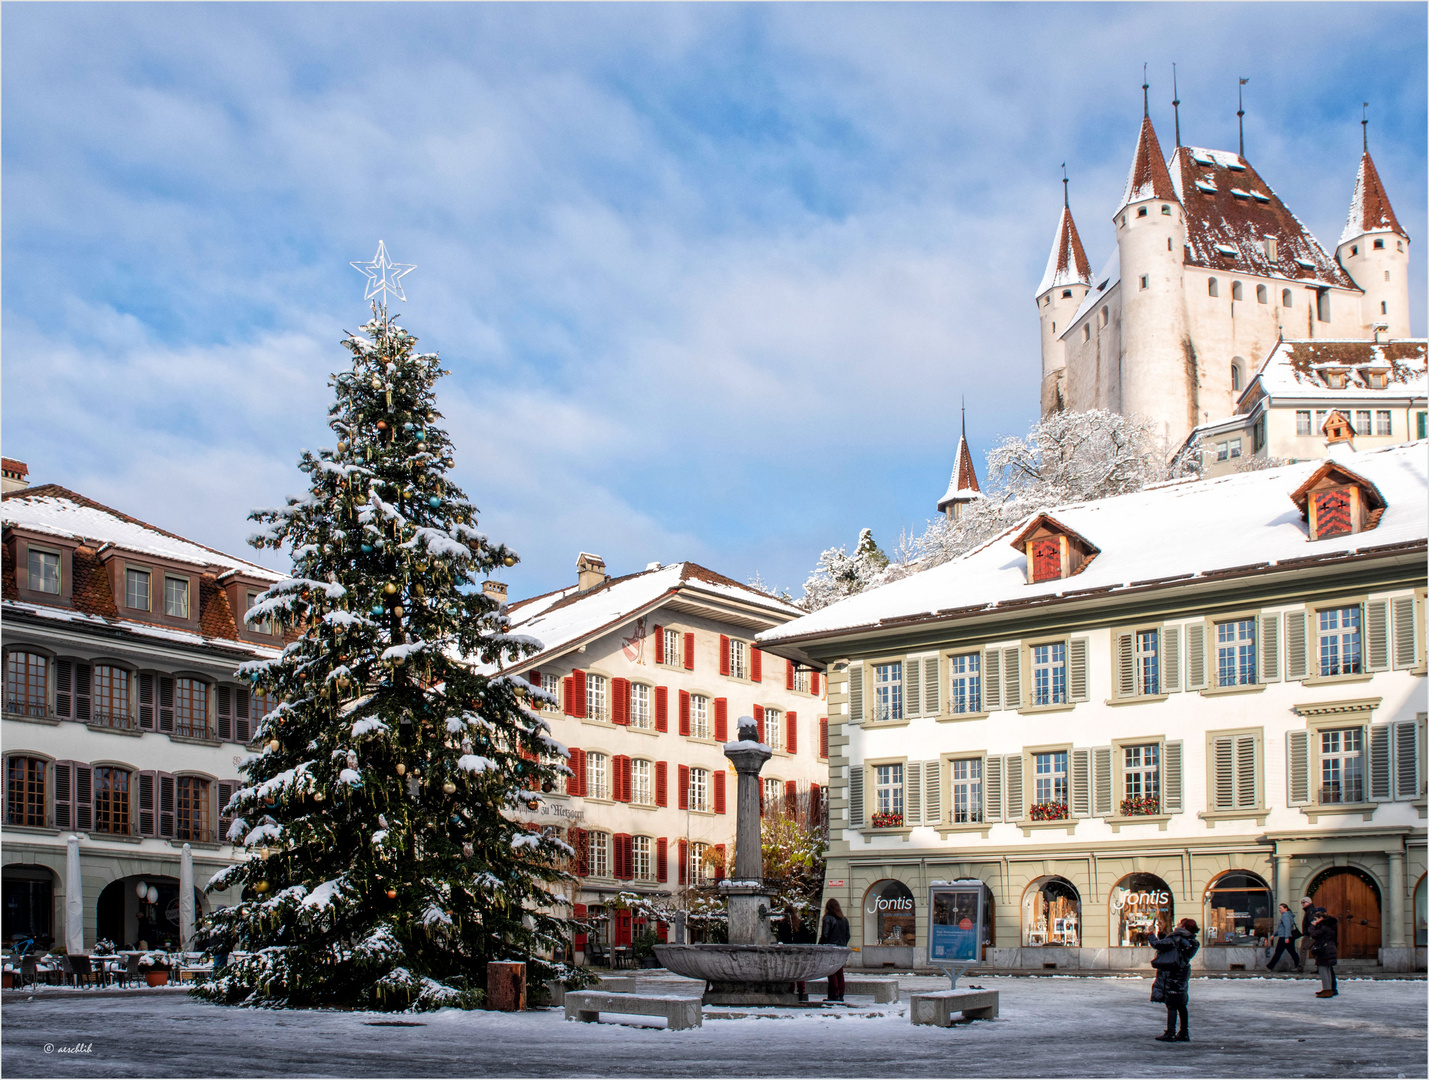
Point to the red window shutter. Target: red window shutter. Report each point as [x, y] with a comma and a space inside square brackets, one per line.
[579, 938]
[627, 868]
[662, 928]
[791, 797]
[719, 793]
[621, 763]
[623, 920]
[824, 738]
[788, 674]
[721, 719]
[684, 781]
[662, 708]
[759, 721]
[756, 664]
[814, 683]
[684, 853]
[534, 679]
[684, 712]
[791, 732]
[578, 686]
[568, 695]
[662, 783]
[659, 644]
[662, 860]
[620, 706]
[761, 798]
[1332, 513]
[1046, 559]
[719, 870]
[723, 655]
[816, 809]
[573, 782]
[689, 652]
[580, 840]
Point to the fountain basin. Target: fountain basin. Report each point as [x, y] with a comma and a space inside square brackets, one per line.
[752, 974]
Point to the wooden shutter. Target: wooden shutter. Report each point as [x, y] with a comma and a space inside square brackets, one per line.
[932, 792]
[992, 789]
[1125, 665]
[717, 782]
[1380, 763]
[824, 738]
[756, 664]
[683, 780]
[1406, 648]
[1269, 647]
[690, 652]
[991, 680]
[1223, 773]
[577, 767]
[623, 851]
[83, 797]
[1077, 685]
[1171, 757]
[684, 712]
[791, 797]
[1012, 678]
[148, 809]
[662, 783]
[1297, 767]
[684, 854]
[64, 794]
[759, 721]
[1377, 635]
[723, 654]
[1171, 659]
[146, 702]
[568, 695]
[816, 804]
[224, 695]
[1196, 656]
[791, 732]
[81, 692]
[788, 674]
[662, 859]
[660, 648]
[913, 793]
[225, 819]
[932, 696]
[1297, 652]
[166, 703]
[1081, 783]
[1102, 801]
[620, 701]
[580, 840]
[662, 708]
[855, 796]
[855, 693]
[1247, 775]
[64, 692]
[1406, 759]
[912, 688]
[167, 798]
[721, 719]
[242, 720]
[721, 868]
[1016, 809]
[578, 692]
[814, 683]
[623, 769]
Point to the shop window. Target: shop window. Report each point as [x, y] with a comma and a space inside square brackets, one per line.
[888, 914]
[26, 683]
[28, 903]
[888, 691]
[1052, 913]
[1141, 906]
[1340, 641]
[1235, 653]
[965, 683]
[1342, 765]
[25, 791]
[1238, 909]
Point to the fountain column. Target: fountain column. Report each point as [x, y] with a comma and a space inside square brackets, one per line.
[744, 892]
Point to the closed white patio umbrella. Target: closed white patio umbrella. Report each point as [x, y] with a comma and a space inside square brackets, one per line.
[74, 899]
[186, 899]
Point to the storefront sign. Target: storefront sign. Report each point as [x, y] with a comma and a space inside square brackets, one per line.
[836, 883]
[1121, 898]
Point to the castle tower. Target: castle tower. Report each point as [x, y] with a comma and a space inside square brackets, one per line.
[962, 487]
[1064, 285]
[1158, 377]
[1374, 250]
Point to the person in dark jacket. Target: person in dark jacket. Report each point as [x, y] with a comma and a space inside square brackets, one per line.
[1173, 976]
[834, 931]
[1324, 932]
[1285, 935]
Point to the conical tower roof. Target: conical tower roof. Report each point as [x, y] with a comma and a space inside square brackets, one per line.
[1067, 264]
[1149, 178]
[1369, 207]
[962, 487]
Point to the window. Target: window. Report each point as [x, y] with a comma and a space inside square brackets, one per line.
[1141, 779]
[1103, 317]
[598, 854]
[699, 871]
[25, 791]
[965, 683]
[595, 686]
[967, 791]
[641, 789]
[1340, 641]
[1322, 305]
[25, 685]
[1384, 304]
[1235, 448]
[887, 796]
[1320, 415]
[671, 646]
[699, 789]
[774, 729]
[1165, 209]
[1046, 559]
[1049, 674]
[1237, 291]
[136, 589]
[264, 625]
[644, 868]
[801, 680]
[1051, 913]
[1354, 249]
[1148, 662]
[1235, 653]
[1143, 276]
[738, 659]
[1287, 298]
[1235, 376]
[1223, 451]
[110, 705]
[191, 818]
[1271, 252]
[1141, 905]
[262, 705]
[1421, 425]
[1302, 422]
[888, 691]
[551, 685]
[191, 708]
[640, 706]
[1383, 422]
[1086, 331]
[772, 792]
[699, 716]
[597, 775]
[1362, 422]
[44, 572]
[176, 597]
[1213, 287]
[111, 800]
[1342, 765]
[1238, 910]
[1050, 789]
[1379, 245]
[888, 915]
[1066, 294]
[1141, 211]
[1257, 435]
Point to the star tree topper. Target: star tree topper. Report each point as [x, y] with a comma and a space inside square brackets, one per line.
[383, 275]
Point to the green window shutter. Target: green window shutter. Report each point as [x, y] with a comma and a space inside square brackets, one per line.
[1270, 648]
[1081, 783]
[1011, 678]
[1077, 669]
[1101, 782]
[1125, 665]
[1171, 755]
[1195, 656]
[1016, 809]
[1247, 773]
[913, 793]
[1406, 759]
[912, 688]
[855, 796]
[992, 789]
[1223, 773]
[1377, 635]
[1379, 762]
[1297, 649]
[991, 680]
[1297, 765]
[932, 687]
[1171, 659]
[1406, 651]
[932, 792]
[855, 693]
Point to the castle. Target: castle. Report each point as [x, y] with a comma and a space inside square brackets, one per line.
[1209, 272]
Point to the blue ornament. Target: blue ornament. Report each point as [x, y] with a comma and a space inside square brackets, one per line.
[408, 426]
[421, 436]
[367, 549]
[434, 502]
[375, 610]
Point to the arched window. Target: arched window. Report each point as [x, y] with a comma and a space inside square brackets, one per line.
[1379, 245]
[1165, 209]
[111, 800]
[1066, 295]
[1141, 905]
[1141, 211]
[597, 775]
[1213, 287]
[640, 713]
[642, 782]
[1287, 298]
[1237, 291]
[888, 914]
[1086, 331]
[26, 686]
[1262, 294]
[1235, 376]
[1051, 913]
[25, 792]
[1103, 316]
[110, 705]
[1238, 909]
[191, 817]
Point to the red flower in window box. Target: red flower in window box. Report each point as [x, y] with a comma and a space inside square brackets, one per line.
[887, 820]
[1139, 805]
[1050, 811]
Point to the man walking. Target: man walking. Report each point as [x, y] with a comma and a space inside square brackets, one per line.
[1285, 935]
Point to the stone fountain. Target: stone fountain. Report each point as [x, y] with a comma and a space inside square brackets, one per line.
[751, 969]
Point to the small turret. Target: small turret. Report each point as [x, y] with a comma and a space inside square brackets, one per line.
[1374, 250]
[962, 487]
[1065, 283]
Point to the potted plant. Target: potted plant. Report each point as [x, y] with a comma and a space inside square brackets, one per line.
[1049, 811]
[644, 948]
[156, 966]
[1140, 805]
[887, 820]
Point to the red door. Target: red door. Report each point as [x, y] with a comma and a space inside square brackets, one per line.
[622, 927]
[1352, 900]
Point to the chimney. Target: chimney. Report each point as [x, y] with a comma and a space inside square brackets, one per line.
[16, 475]
[590, 571]
[494, 590]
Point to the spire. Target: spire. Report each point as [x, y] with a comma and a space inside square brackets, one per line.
[1066, 203]
[1364, 126]
[1176, 104]
[1148, 178]
[962, 486]
[1240, 114]
[1145, 92]
[1369, 206]
[1067, 264]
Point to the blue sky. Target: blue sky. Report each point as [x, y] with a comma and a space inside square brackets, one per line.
[711, 280]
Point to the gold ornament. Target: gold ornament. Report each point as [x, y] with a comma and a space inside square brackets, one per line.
[401, 769]
[318, 796]
[260, 887]
[449, 788]
[274, 745]
[390, 588]
[510, 560]
[263, 852]
[398, 611]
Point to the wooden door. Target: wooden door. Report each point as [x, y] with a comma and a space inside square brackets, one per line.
[1351, 900]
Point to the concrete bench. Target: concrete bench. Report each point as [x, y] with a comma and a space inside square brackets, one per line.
[938, 1008]
[679, 1012]
[883, 991]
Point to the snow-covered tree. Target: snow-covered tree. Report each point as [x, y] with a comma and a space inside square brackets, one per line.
[386, 862]
[840, 574]
[794, 838]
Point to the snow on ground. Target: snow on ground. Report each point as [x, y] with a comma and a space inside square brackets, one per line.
[1058, 1026]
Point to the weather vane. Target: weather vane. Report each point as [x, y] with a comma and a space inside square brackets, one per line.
[383, 275]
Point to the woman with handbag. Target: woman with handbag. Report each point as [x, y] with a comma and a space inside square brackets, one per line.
[1173, 976]
[834, 931]
[1285, 934]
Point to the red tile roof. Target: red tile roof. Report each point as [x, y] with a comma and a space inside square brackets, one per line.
[1369, 206]
[1068, 263]
[1148, 178]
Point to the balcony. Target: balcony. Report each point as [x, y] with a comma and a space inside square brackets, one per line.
[1352, 792]
[26, 708]
[119, 721]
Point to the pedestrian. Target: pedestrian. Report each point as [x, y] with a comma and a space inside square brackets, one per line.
[1173, 976]
[834, 931]
[1324, 929]
[1285, 934]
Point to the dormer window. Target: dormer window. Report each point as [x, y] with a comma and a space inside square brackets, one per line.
[1337, 502]
[44, 571]
[136, 589]
[1336, 380]
[1337, 427]
[176, 597]
[1053, 551]
[1271, 249]
[1376, 380]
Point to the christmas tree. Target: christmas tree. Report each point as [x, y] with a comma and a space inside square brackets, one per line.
[386, 863]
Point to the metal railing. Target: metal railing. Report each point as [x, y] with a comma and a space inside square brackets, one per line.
[23, 707]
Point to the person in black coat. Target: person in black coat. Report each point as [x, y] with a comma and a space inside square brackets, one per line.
[1173, 976]
[834, 931]
[1324, 947]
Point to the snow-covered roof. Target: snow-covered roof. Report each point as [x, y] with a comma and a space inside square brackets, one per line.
[1369, 206]
[1067, 264]
[1148, 178]
[962, 486]
[1298, 369]
[1181, 530]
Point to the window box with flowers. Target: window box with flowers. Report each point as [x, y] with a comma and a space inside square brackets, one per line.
[1050, 811]
[1140, 806]
[888, 820]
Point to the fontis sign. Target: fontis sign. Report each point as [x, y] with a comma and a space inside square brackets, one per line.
[1121, 898]
[890, 903]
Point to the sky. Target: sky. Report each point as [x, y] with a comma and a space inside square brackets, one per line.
[712, 281]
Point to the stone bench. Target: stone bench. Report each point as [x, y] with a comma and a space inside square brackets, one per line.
[679, 1012]
[938, 1008]
[883, 991]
